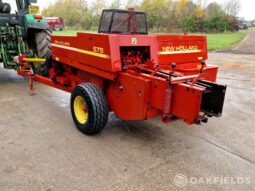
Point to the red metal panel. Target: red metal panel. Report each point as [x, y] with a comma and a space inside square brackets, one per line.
[186, 102]
[103, 50]
[86, 49]
[181, 49]
[83, 67]
[157, 94]
[128, 97]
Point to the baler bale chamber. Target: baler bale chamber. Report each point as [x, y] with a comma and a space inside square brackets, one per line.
[136, 75]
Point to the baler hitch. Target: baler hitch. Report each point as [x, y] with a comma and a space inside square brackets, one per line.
[25, 69]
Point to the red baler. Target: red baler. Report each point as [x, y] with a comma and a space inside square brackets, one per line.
[136, 75]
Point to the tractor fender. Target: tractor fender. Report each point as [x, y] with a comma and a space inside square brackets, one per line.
[32, 23]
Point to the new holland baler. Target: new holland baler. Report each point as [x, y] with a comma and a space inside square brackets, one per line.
[135, 75]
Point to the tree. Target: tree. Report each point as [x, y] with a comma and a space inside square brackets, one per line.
[96, 11]
[214, 9]
[186, 14]
[232, 7]
[76, 10]
[116, 4]
[158, 13]
[162, 15]
[132, 4]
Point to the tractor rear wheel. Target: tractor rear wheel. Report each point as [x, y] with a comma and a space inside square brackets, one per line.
[43, 50]
[89, 109]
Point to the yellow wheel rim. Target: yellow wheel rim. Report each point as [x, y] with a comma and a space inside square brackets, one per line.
[80, 110]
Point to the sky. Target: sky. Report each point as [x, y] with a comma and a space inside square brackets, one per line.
[247, 10]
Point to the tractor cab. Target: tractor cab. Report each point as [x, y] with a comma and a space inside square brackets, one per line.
[7, 12]
[16, 6]
[129, 21]
[12, 10]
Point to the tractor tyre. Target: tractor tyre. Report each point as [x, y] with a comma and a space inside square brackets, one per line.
[89, 109]
[43, 50]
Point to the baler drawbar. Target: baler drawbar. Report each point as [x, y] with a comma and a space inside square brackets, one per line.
[135, 75]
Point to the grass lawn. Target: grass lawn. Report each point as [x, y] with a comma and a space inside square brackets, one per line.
[223, 41]
[70, 32]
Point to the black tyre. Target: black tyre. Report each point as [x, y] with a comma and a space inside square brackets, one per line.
[89, 109]
[43, 50]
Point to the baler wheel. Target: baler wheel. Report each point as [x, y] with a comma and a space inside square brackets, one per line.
[89, 109]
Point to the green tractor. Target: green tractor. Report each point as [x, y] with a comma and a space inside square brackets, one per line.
[24, 31]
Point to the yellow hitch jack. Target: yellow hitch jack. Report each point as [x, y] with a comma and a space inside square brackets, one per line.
[34, 60]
